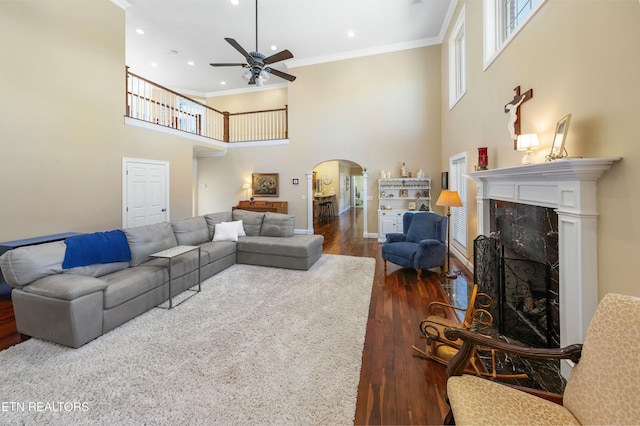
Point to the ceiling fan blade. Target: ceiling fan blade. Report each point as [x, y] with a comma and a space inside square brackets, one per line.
[280, 56]
[282, 74]
[229, 65]
[239, 48]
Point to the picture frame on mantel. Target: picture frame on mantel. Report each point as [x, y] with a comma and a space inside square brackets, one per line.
[559, 138]
[264, 184]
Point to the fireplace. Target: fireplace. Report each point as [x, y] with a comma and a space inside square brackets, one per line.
[568, 187]
[518, 266]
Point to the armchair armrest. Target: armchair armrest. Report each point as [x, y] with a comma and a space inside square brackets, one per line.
[395, 237]
[429, 243]
[471, 340]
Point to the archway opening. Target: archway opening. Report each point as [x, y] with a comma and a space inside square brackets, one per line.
[342, 182]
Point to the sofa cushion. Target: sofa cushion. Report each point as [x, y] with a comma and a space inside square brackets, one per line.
[149, 239]
[252, 221]
[65, 286]
[123, 286]
[296, 246]
[217, 250]
[214, 218]
[24, 265]
[226, 231]
[277, 225]
[97, 269]
[191, 231]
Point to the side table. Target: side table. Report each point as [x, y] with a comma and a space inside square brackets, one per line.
[171, 254]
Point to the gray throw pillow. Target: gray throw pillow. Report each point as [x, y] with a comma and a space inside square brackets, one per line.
[252, 221]
[278, 225]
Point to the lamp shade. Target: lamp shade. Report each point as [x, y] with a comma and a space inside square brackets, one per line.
[528, 142]
[246, 186]
[449, 199]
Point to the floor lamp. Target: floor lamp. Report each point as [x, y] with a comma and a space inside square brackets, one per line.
[449, 199]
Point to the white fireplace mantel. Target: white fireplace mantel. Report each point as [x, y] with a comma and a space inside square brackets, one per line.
[570, 187]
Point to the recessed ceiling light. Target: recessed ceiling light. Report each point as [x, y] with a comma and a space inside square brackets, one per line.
[274, 47]
[191, 63]
[140, 31]
[224, 82]
[153, 64]
[351, 33]
[235, 2]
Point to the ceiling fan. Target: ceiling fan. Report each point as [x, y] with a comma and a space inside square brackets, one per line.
[258, 63]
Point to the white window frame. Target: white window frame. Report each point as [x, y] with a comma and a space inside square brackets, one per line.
[458, 182]
[457, 61]
[493, 22]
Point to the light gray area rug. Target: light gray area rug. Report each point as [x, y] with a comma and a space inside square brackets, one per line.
[257, 346]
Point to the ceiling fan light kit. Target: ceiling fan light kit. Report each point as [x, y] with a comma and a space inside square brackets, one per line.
[258, 70]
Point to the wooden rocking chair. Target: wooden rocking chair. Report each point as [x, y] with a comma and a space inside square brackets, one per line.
[441, 349]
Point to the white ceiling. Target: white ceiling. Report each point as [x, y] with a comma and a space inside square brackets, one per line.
[313, 30]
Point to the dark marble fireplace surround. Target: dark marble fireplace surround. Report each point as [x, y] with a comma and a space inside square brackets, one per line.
[524, 282]
[517, 265]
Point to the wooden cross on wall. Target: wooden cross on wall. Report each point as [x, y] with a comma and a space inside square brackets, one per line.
[513, 109]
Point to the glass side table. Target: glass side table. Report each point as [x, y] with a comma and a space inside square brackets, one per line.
[171, 254]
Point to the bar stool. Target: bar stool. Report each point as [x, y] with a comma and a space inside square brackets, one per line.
[326, 210]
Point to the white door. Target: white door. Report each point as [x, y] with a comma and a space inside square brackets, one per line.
[145, 192]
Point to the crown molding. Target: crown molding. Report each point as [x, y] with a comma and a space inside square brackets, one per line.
[387, 48]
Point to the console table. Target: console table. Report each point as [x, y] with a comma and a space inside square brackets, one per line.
[263, 206]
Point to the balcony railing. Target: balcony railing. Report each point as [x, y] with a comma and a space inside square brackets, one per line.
[152, 103]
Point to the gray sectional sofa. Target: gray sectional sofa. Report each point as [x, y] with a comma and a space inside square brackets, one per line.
[74, 306]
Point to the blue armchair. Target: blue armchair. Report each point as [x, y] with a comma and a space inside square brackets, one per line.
[422, 244]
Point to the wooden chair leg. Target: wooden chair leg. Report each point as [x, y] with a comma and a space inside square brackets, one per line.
[385, 266]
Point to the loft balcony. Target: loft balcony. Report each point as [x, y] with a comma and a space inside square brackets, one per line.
[158, 108]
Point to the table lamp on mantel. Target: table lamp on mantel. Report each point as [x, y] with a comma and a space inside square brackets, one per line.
[449, 199]
[246, 187]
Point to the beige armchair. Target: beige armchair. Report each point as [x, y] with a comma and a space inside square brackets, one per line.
[603, 388]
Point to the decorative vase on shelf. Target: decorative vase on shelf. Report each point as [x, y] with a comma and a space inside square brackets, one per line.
[420, 174]
[404, 171]
[483, 158]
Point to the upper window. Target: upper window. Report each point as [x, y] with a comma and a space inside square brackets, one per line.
[457, 61]
[503, 19]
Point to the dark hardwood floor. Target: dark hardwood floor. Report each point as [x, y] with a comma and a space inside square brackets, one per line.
[396, 386]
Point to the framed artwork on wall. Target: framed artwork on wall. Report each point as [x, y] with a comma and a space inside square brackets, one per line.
[264, 184]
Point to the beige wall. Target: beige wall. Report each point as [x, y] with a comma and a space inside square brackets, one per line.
[580, 57]
[376, 111]
[251, 101]
[62, 137]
